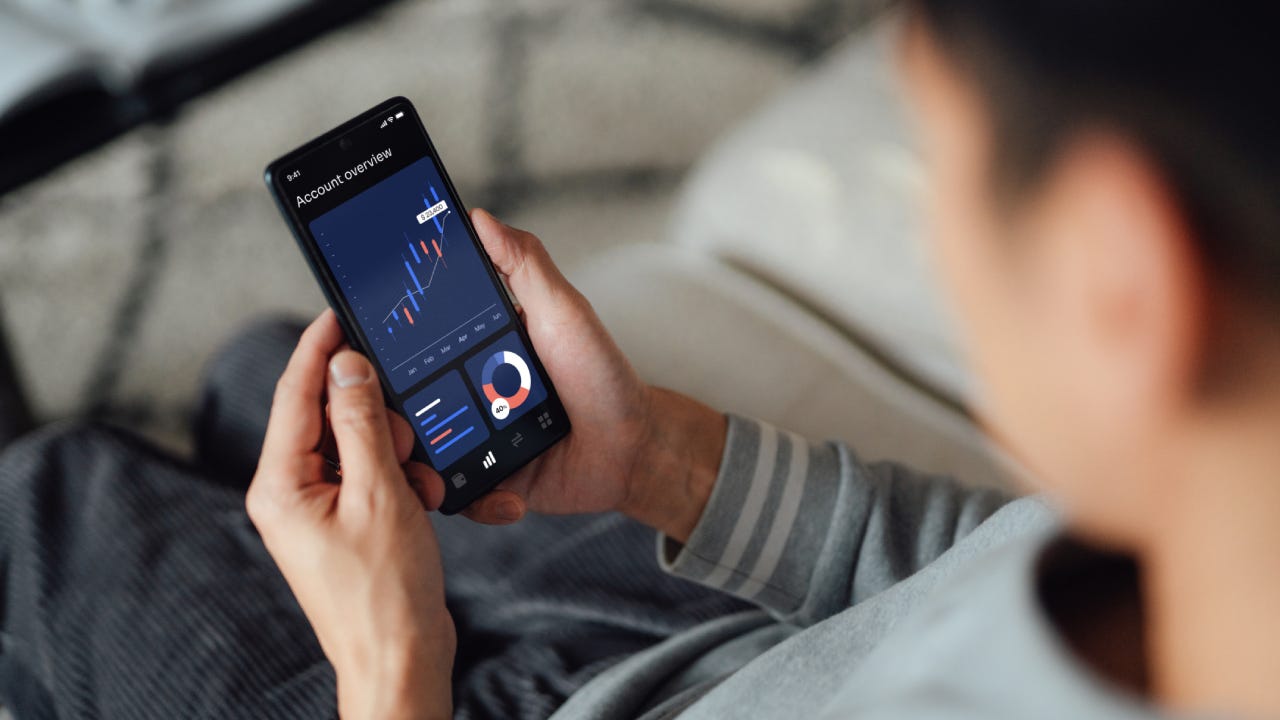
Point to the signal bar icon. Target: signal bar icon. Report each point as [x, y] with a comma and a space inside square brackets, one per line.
[489, 460]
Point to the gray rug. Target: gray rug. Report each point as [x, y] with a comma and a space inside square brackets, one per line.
[120, 272]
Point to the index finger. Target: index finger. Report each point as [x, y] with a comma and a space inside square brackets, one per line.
[297, 422]
[522, 260]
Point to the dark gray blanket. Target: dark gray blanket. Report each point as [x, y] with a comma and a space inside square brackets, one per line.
[133, 585]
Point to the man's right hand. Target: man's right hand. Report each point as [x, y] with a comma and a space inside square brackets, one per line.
[650, 453]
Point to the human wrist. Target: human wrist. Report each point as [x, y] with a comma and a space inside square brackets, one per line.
[677, 462]
[411, 678]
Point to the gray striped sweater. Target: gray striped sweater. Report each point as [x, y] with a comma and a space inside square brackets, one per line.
[881, 594]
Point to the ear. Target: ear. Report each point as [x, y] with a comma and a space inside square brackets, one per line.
[1121, 256]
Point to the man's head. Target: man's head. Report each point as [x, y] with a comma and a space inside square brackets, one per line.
[1105, 180]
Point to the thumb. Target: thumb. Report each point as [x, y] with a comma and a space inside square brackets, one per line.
[359, 420]
[523, 261]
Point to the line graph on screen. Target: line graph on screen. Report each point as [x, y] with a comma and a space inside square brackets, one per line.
[417, 281]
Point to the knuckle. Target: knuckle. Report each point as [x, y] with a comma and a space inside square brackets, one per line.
[285, 386]
[531, 248]
[362, 503]
[524, 257]
[312, 331]
[258, 505]
[360, 415]
[523, 237]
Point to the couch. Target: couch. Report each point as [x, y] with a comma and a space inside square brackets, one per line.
[793, 285]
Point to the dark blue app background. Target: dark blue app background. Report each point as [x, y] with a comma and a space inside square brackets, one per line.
[414, 279]
[506, 380]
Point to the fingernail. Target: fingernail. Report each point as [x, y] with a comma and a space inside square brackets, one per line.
[348, 370]
[508, 511]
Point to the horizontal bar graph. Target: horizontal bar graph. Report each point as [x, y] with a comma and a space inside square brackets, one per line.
[456, 438]
[446, 420]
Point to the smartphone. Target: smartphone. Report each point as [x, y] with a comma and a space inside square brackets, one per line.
[391, 245]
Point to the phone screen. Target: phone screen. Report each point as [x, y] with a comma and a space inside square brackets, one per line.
[381, 225]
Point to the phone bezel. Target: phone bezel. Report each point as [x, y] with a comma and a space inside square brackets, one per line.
[455, 498]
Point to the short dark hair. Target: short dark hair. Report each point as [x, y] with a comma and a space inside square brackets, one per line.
[1192, 82]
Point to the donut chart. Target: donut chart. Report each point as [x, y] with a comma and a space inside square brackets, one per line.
[494, 371]
[500, 405]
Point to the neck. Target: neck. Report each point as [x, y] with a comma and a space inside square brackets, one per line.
[1211, 581]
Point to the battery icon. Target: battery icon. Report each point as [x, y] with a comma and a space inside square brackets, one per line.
[400, 114]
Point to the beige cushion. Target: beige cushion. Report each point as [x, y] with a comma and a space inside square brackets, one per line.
[816, 196]
[694, 324]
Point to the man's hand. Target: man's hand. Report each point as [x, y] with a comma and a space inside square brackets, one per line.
[651, 453]
[360, 555]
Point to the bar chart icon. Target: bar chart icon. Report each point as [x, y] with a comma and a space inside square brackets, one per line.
[446, 420]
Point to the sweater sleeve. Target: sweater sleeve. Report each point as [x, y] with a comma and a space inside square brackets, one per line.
[808, 530]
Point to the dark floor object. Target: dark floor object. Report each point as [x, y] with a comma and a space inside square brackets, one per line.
[48, 134]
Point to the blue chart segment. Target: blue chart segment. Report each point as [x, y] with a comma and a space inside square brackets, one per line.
[446, 421]
[416, 281]
[506, 380]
